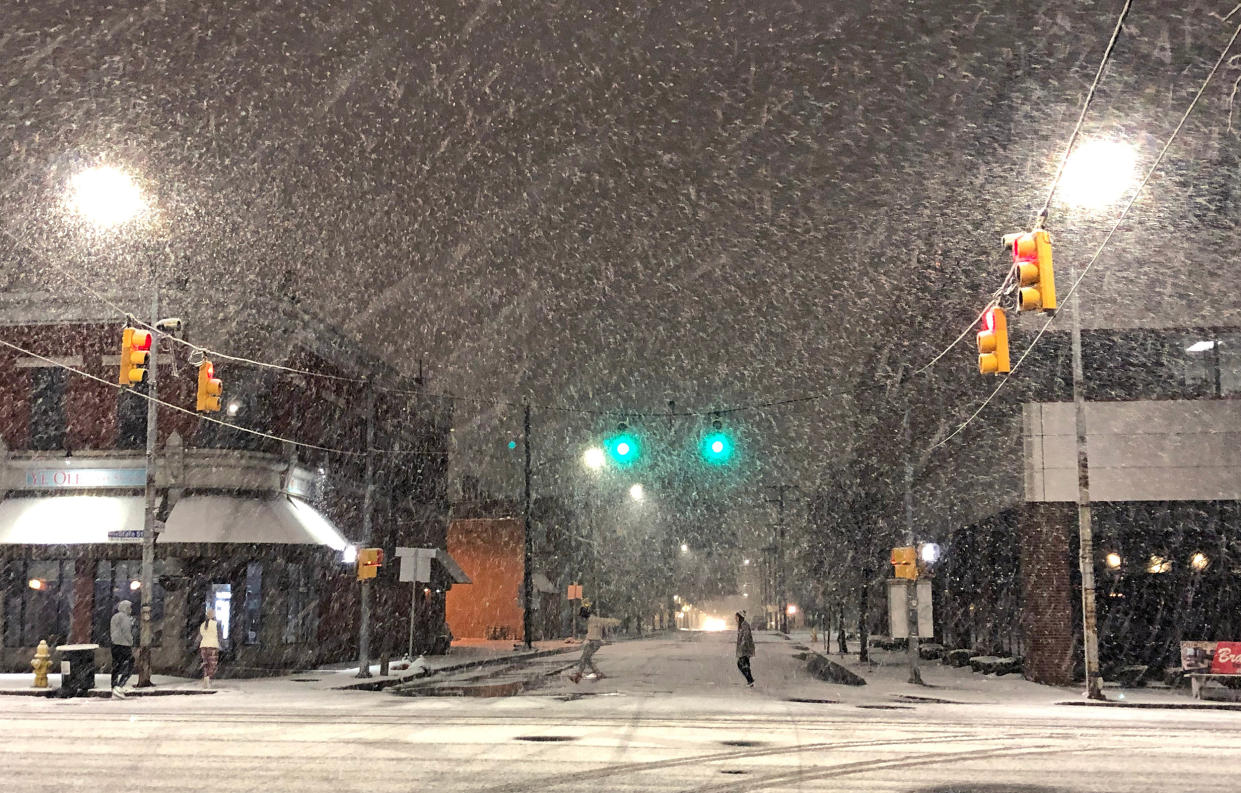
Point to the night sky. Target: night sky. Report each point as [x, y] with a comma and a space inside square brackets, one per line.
[610, 206]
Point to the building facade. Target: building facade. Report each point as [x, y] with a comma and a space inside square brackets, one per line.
[253, 527]
[1163, 422]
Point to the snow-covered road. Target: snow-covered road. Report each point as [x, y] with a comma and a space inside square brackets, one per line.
[672, 716]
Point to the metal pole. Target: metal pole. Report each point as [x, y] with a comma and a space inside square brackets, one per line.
[782, 596]
[527, 580]
[1085, 558]
[148, 519]
[915, 675]
[368, 502]
[413, 603]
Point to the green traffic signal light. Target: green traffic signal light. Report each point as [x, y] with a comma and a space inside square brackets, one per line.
[717, 447]
[624, 448]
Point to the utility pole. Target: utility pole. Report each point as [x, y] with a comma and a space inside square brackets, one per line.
[911, 586]
[148, 518]
[1085, 558]
[781, 594]
[368, 503]
[527, 575]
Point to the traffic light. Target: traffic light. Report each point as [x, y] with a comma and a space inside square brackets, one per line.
[209, 389]
[993, 342]
[1032, 257]
[624, 447]
[135, 351]
[369, 562]
[717, 445]
[905, 562]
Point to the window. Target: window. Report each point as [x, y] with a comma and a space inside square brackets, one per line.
[114, 582]
[43, 611]
[300, 606]
[1212, 364]
[252, 611]
[1228, 354]
[131, 419]
[47, 408]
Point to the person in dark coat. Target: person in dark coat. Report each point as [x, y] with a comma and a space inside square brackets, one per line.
[745, 648]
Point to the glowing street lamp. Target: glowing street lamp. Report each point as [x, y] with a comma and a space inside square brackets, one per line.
[1097, 174]
[593, 458]
[105, 196]
[636, 492]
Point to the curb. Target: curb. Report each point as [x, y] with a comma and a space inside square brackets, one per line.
[1153, 705]
[99, 693]
[379, 685]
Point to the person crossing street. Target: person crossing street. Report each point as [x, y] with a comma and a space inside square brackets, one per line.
[594, 640]
[745, 648]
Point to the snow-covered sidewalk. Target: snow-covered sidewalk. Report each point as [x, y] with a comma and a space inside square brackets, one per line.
[464, 653]
[887, 676]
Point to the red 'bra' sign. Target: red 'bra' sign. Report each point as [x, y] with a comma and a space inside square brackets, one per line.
[1227, 660]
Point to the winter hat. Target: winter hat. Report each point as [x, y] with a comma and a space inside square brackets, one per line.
[124, 606]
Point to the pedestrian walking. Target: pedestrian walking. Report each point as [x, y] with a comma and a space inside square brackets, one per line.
[121, 630]
[209, 646]
[745, 648]
[594, 640]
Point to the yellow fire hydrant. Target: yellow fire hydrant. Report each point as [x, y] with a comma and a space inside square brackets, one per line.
[41, 662]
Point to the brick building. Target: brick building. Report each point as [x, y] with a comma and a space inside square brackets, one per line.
[254, 527]
[1163, 424]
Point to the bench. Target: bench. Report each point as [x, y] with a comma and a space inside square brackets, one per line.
[1197, 681]
[1204, 661]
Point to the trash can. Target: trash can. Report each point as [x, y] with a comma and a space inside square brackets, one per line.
[77, 669]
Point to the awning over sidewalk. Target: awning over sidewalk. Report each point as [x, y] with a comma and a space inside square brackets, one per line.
[76, 520]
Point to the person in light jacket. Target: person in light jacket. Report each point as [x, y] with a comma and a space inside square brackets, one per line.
[209, 646]
[121, 630]
[745, 648]
[594, 640]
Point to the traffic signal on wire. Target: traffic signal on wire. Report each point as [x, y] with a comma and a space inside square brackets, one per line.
[717, 445]
[623, 447]
[135, 351]
[1032, 258]
[993, 342]
[209, 388]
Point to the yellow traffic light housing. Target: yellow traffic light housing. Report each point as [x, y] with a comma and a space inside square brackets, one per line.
[135, 352]
[209, 388]
[993, 342]
[1032, 258]
[905, 562]
[369, 562]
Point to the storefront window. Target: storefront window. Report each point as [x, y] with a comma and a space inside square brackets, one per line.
[299, 625]
[252, 613]
[38, 602]
[121, 580]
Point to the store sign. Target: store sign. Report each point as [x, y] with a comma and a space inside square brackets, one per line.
[125, 535]
[1217, 658]
[75, 478]
[1227, 660]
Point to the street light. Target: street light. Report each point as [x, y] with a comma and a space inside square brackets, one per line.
[105, 196]
[636, 492]
[593, 458]
[1098, 173]
[684, 548]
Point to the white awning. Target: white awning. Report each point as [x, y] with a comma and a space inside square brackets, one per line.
[76, 520]
[67, 520]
